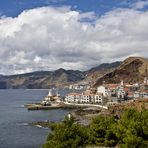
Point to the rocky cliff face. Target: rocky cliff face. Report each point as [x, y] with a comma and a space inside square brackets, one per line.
[131, 70]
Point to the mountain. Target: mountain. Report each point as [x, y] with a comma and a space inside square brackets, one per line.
[104, 66]
[94, 73]
[131, 70]
[41, 79]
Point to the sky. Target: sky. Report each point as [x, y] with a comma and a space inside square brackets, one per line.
[38, 35]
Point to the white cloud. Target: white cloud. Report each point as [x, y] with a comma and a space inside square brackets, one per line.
[140, 4]
[49, 38]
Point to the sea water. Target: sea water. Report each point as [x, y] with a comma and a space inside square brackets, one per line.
[14, 118]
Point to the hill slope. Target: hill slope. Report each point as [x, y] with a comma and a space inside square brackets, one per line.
[104, 66]
[131, 70]
[94, 73]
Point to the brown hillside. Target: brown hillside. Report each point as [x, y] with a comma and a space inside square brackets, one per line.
[118, 109]
[131, 70]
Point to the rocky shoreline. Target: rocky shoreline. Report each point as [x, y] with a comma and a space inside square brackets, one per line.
[39, 106]
[81, 116]
[84, 115]
[81, 113]
[42, 124]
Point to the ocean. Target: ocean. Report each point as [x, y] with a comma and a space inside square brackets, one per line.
[14, 118]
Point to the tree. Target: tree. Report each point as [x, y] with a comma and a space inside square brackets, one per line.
[132, 129]
[101, 131]
[67, 134]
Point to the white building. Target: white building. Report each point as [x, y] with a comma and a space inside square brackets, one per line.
[144, 94]
[47, 99]
[98, 98]
[73, 98]
[121, 93]
[87, 97]
[104, 90]
[112, 89]
[136, 94]
[145, 81]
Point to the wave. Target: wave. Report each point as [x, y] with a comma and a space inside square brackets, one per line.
[22, 124]
[39, 126]
[22, 106]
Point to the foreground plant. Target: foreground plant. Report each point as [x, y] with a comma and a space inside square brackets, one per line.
[131, 131]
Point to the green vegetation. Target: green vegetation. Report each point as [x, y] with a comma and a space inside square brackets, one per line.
[130, 131]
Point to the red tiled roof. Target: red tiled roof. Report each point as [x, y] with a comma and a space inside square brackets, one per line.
[87, 92]
[126, 89]
[99, 94]
[130, 94]
[73, 94]
[112, 85]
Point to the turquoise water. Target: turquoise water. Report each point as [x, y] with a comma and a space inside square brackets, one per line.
[14, 130]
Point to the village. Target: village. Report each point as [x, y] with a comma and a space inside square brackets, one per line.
[105, 94]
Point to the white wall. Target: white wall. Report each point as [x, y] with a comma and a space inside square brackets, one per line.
[102, 89]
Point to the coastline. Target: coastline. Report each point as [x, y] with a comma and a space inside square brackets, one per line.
[84, 114]
[61, 105]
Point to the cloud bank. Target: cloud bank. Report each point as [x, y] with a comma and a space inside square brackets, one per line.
[49, 38]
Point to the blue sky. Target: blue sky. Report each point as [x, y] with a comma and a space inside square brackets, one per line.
[15, 7]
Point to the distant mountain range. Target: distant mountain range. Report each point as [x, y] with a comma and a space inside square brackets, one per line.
[48, 79]
[132, 69]
[41, 79]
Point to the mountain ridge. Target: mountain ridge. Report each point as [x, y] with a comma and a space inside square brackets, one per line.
[131, 70]
[108, 72]
[48, 79]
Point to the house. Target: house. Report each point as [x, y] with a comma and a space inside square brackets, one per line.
[104, 90]
[98, 98]
[112, 89]
[130, 95]
[136, 94]
[145, 81]
[121, 94]
[87, 97]
[73, 97]
[144, 93]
